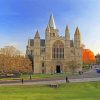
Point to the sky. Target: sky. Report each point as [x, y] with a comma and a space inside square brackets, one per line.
[20, 19]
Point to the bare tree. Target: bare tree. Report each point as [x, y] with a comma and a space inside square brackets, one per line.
[10, 51]
[73, 66]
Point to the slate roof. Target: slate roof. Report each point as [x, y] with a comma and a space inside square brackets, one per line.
[31, 42]
[42, 42]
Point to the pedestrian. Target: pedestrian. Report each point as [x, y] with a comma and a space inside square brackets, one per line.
[67, 81]
[22, 80]
[30, 77]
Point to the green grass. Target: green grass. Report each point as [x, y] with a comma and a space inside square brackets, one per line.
[39, 76]
[69, 91]
[36, 76]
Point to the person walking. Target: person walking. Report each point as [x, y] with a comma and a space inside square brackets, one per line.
[67, 81]
[22, 80]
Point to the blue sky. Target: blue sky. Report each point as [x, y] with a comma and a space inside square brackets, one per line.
[19, 20]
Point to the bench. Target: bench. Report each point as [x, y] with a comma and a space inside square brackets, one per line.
[6, 75]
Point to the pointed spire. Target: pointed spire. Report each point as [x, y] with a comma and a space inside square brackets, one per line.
[67, 37]
[37, 35]
[67, 29]
[51, 23]
[77, 32]
[77, 38]
[67, 34]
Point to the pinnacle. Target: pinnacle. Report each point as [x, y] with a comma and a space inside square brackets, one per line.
[37, 35]
[67, 29]
[77, 32]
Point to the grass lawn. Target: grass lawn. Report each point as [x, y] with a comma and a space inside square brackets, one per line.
[35, 76]
[39, 76]
[69, 91]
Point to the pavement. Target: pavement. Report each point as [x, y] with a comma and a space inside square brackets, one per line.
[88, 76]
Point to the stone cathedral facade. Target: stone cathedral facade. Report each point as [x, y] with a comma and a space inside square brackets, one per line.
[53, 54]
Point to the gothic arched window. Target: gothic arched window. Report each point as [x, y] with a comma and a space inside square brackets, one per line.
[58, 50]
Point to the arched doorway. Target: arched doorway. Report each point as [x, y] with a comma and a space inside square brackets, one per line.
[58, 69]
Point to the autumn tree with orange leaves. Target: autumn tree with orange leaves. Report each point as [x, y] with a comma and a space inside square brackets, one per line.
[88, 56]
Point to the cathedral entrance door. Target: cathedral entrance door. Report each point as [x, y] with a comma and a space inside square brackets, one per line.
[58, 69]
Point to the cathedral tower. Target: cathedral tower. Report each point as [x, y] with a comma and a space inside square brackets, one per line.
[67, 37]
[67, 43]
[37, 53]
[77, 38]
[78, 47]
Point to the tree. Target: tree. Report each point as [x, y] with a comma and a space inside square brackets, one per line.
[10, 51]
[12, 62]
[73, 66]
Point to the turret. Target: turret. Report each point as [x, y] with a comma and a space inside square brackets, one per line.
[37, 53]
[37, 35]
[47, 33]
[67, 37]
[77, 38]
[37, 40]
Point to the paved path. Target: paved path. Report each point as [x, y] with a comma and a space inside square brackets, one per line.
[53, 82]
[88, 76]
[91, 73]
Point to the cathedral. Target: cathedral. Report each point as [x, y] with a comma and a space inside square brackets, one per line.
[53, 54]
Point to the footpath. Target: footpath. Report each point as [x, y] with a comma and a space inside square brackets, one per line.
[89, 76]
[58, 81]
